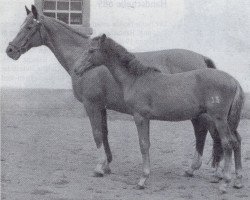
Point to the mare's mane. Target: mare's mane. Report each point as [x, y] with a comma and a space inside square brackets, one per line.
[55, 21]
[128, 60]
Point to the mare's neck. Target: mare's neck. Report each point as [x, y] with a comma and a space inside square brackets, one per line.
[66, 43]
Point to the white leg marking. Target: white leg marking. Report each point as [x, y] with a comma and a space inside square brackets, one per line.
[102, 161]
[196, 163]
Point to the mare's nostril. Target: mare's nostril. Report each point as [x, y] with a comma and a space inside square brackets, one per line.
[9, 50]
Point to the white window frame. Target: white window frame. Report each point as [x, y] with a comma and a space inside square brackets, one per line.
[56, 11]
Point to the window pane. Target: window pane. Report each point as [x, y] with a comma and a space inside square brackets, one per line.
[63, 5]
[75, 18]
[63, 17]
[76, 5]
[49, 5]
[50, 14]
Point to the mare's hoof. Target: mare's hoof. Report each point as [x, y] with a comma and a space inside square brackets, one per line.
[139, 187]
[238, 184]
[188, 173]
[98, 174]
[107, 171]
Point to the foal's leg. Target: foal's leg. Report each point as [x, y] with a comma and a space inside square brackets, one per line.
[217, 155]
[226, 142]
[238, 165]
[98, 120]
[142, 125]
[200, 131]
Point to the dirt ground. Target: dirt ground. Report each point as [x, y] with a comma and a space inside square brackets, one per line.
[48, 153]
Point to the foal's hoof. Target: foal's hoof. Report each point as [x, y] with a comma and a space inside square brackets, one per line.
[107, 171]
[139, 187]
[215, 179]
[238, 184]
[98, 174]
[223, 188]
[188, 173]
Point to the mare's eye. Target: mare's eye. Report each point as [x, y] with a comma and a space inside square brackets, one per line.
[29, 27]
[91, 51]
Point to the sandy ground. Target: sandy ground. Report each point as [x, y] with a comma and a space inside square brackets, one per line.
[48, 153]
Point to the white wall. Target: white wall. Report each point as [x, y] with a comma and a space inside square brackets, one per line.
[219, 29]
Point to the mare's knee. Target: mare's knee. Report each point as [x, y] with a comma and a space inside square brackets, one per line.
[238, 137]
[98, 138]
[144, 146]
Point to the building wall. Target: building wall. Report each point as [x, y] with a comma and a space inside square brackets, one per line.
[85, 27]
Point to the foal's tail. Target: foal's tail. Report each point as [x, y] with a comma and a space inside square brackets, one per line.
[236, 108]
[235, 114]
[233, 122]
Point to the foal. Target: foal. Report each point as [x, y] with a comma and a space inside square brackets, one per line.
[176, 97]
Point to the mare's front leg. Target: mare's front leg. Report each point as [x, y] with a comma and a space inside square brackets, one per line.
[98, 119]
[200, 131]
[142, 125]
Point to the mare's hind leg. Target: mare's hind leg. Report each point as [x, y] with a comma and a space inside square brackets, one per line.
[105, 140]
[238, 165]
[98, 120]
[200, 131]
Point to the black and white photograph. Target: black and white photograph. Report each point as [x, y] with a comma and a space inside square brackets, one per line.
[125, 99]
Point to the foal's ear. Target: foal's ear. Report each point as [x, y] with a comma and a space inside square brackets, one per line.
[27, 10]
[103, 37]
[34, 11]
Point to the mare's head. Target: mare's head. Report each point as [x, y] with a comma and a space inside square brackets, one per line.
[96, 55]
[29, 36]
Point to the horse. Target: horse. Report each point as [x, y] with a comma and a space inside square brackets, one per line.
[153, 95]
[97, 89]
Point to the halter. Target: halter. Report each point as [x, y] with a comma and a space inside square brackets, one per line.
[36, 28]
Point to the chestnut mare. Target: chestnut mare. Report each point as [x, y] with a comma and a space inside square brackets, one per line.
[151, 94]
[97, 89]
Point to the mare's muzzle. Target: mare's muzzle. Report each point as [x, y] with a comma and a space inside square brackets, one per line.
[13, 52]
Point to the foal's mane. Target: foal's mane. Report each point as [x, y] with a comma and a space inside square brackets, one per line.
[128, 60]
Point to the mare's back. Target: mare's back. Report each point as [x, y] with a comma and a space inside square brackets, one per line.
[173, 60]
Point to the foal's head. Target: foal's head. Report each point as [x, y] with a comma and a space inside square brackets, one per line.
[29, 35]
[96, 55]
[104, 51]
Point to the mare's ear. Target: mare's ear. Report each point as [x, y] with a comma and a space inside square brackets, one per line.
[27, 10]
[34, 11]
[103, 38]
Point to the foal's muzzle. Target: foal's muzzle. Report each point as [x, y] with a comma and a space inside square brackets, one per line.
[80, 70]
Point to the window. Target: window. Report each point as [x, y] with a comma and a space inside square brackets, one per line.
[75, 18]
[68, 11]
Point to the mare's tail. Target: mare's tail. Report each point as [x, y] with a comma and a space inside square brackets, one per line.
[209, 63]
